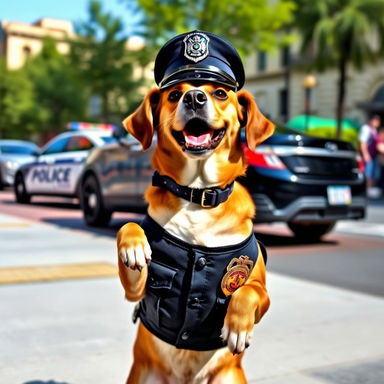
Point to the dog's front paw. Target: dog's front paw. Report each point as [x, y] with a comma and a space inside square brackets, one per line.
[133, 248]
[237, 331]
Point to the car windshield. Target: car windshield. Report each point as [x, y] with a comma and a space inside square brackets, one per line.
[13, 149]
[108, 139]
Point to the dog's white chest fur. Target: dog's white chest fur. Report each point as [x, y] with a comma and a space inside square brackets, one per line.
[196, 226]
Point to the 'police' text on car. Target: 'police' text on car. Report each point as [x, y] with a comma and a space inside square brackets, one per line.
[56, 169]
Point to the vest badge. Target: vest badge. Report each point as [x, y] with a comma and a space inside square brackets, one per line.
[196, 46]
[238, 271]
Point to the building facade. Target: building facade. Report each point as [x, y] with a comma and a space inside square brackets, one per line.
[280, 92]
[18, 41]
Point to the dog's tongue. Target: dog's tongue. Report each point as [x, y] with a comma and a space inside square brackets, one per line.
[201, 140]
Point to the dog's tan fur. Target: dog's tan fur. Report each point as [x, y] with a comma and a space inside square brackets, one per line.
[229, 223]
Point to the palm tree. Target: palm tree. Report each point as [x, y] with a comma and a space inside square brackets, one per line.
[339, 34]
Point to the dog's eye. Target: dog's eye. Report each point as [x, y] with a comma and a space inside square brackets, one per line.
[220, 94]
[174, 96]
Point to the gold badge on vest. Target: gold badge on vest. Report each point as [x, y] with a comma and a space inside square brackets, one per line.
[238, 271]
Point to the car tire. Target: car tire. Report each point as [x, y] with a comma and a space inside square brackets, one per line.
[21, 194]
[310, 231]
[92, 204]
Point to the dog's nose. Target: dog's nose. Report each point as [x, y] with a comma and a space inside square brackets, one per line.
[195, 99]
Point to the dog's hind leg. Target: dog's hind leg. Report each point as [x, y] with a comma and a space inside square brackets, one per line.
[229, 375]
[138, 376]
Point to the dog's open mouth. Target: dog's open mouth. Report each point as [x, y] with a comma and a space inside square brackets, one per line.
[198, 137]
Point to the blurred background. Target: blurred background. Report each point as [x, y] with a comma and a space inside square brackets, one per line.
[92, 60]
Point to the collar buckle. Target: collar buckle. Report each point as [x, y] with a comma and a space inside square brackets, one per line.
[204, 198]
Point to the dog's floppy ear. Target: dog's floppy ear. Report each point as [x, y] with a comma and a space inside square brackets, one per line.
[141, 124]
[257, 126]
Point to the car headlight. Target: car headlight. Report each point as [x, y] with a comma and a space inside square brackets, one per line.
[11, 165]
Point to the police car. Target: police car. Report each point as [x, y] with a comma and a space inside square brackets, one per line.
[307, 182]
[57, 167]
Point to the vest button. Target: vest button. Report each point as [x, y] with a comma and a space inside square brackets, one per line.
[185, 336]
[201, 262]
[194, 302]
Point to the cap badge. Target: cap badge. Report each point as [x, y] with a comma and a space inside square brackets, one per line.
[196, 46]
[238, 271]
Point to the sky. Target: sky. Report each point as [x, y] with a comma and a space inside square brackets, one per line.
[29, 11]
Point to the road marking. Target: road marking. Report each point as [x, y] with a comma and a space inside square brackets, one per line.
[34, 274]
[370, 229]
[14, 224]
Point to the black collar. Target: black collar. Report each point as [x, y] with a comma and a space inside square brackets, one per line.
[206, 197]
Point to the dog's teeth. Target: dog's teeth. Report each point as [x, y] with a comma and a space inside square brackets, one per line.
[201, 140]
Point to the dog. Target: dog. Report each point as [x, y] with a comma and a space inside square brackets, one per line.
[194, 263]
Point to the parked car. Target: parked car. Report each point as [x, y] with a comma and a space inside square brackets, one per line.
[14, 153]
[308, 182]
[56, 169]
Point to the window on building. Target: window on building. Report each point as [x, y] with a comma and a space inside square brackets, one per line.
[95, 105]
[262, 61]
[283, 103]
[27, 52]
[285, 57]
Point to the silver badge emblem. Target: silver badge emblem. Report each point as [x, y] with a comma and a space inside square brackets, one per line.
[196, 46]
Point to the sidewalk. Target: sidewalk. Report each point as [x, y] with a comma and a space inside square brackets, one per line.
[79, 331]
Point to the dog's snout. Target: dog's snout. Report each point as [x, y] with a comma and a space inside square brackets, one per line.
[195, 99]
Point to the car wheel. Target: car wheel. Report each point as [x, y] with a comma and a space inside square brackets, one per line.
[311, 231]
[21, 194]
[91, 200]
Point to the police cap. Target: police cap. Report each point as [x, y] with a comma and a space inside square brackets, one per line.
[199, 56]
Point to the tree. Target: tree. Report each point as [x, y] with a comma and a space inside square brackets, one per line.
[100, 52]
[340, 33]
[248, 25]
[57, 87]
[16, 100]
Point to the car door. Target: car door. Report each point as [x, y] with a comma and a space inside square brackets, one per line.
[58, 167]
[124, 172]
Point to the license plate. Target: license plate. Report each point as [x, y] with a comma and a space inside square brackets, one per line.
[339, 195]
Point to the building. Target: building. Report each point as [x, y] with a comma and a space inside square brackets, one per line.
[18, 41]
[280, 92]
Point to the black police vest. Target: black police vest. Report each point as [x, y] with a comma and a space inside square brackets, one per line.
[184, 304]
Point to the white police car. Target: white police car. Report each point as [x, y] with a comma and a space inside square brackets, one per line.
[57, 167]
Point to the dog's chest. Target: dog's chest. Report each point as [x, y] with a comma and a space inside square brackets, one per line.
[198, 226]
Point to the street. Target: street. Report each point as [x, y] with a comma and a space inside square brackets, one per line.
[324, 325]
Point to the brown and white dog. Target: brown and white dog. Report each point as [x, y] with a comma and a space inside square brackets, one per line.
[198, 145]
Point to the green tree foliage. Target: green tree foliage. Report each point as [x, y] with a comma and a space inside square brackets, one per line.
[58, 90]
[248, 25]
[339, 33]
[16, 101]
[100, 52]
[41, 97]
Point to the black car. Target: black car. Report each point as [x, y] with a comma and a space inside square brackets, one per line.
[305, 181]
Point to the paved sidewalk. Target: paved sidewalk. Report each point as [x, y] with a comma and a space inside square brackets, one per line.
[79, 331]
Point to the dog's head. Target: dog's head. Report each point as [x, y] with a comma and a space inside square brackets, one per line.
[198, 119]
[196, 110]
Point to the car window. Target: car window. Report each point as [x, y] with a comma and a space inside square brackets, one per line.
[56, 147]
[78, 143]
[108, 139]
[12, 149]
